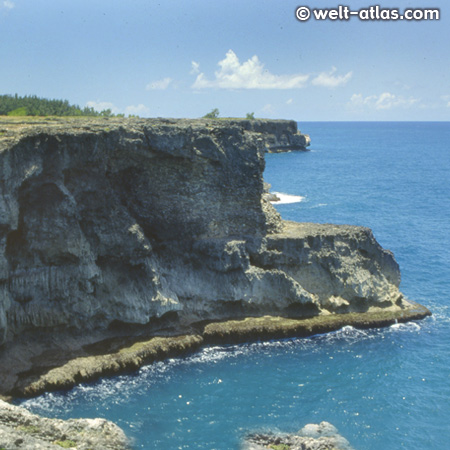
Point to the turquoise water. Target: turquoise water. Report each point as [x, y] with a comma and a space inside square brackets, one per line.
[384, 389]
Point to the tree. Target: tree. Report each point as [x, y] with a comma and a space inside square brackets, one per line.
[31, 105]
[250, 116]
[214, 114]
[106, 113]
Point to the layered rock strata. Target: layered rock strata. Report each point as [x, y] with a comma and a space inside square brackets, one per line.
[119, 227]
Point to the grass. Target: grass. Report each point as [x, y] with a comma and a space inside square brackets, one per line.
[28, 429]
[66, 444]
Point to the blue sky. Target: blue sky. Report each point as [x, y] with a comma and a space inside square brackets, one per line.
[172, 58]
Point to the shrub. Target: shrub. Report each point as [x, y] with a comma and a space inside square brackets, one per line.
[66, 444]
[214, 114]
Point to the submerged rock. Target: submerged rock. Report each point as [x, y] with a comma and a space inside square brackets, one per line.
[22, 430]
[323, 436]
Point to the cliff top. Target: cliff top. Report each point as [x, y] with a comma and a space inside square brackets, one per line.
[12, 128]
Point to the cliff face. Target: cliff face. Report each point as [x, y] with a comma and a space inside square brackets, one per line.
[122, 221]
[278, 135]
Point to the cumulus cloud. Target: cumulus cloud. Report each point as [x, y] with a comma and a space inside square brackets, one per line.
[384, 101]
[8, 4]
[251, 74]
[101, 106]
[138, 110]
[159, 85]
[330, 80]
[288, 102]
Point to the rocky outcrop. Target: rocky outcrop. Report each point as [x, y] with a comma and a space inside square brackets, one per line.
[22, 430]
[116, 227]
[278, 135]
[323, 436]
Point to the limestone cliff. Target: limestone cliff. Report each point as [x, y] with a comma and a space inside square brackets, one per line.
[112, 222]
[278, 135]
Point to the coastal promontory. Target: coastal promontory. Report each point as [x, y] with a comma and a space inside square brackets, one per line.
[114, 231]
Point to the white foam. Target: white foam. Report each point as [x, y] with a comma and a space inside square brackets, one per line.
[287, 198]
[409, 326]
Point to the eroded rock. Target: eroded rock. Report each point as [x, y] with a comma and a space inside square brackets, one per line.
[323, 436]
[119, 227]
[22, 430]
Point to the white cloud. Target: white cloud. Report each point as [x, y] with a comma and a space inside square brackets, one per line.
[251, 74]
[8, 4]
[135, 110]
[358, 101]
[268, 108]
[288, 102]
[446, 99]
[328, 79]
[384, 101]
[195, 68]
[159, 85]
[138, 110]
[101, 106]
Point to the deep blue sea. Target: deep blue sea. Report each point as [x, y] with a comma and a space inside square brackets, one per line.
[384, 389]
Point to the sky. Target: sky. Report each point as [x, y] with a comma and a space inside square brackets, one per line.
[175, 58]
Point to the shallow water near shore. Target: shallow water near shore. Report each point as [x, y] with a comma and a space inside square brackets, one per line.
[383, 389]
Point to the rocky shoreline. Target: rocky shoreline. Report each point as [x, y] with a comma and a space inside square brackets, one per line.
[142, 351]
[127, 241]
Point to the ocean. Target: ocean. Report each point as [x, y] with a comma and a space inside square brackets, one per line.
[383, 389]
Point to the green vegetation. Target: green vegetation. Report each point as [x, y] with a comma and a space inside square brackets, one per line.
[28, 429]
[14, 105]
[214, 114]
[280, 447]
[18, 112]
[66, 444]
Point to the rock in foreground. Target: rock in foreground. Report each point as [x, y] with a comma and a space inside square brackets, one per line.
[21, 430]
[311, 437]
